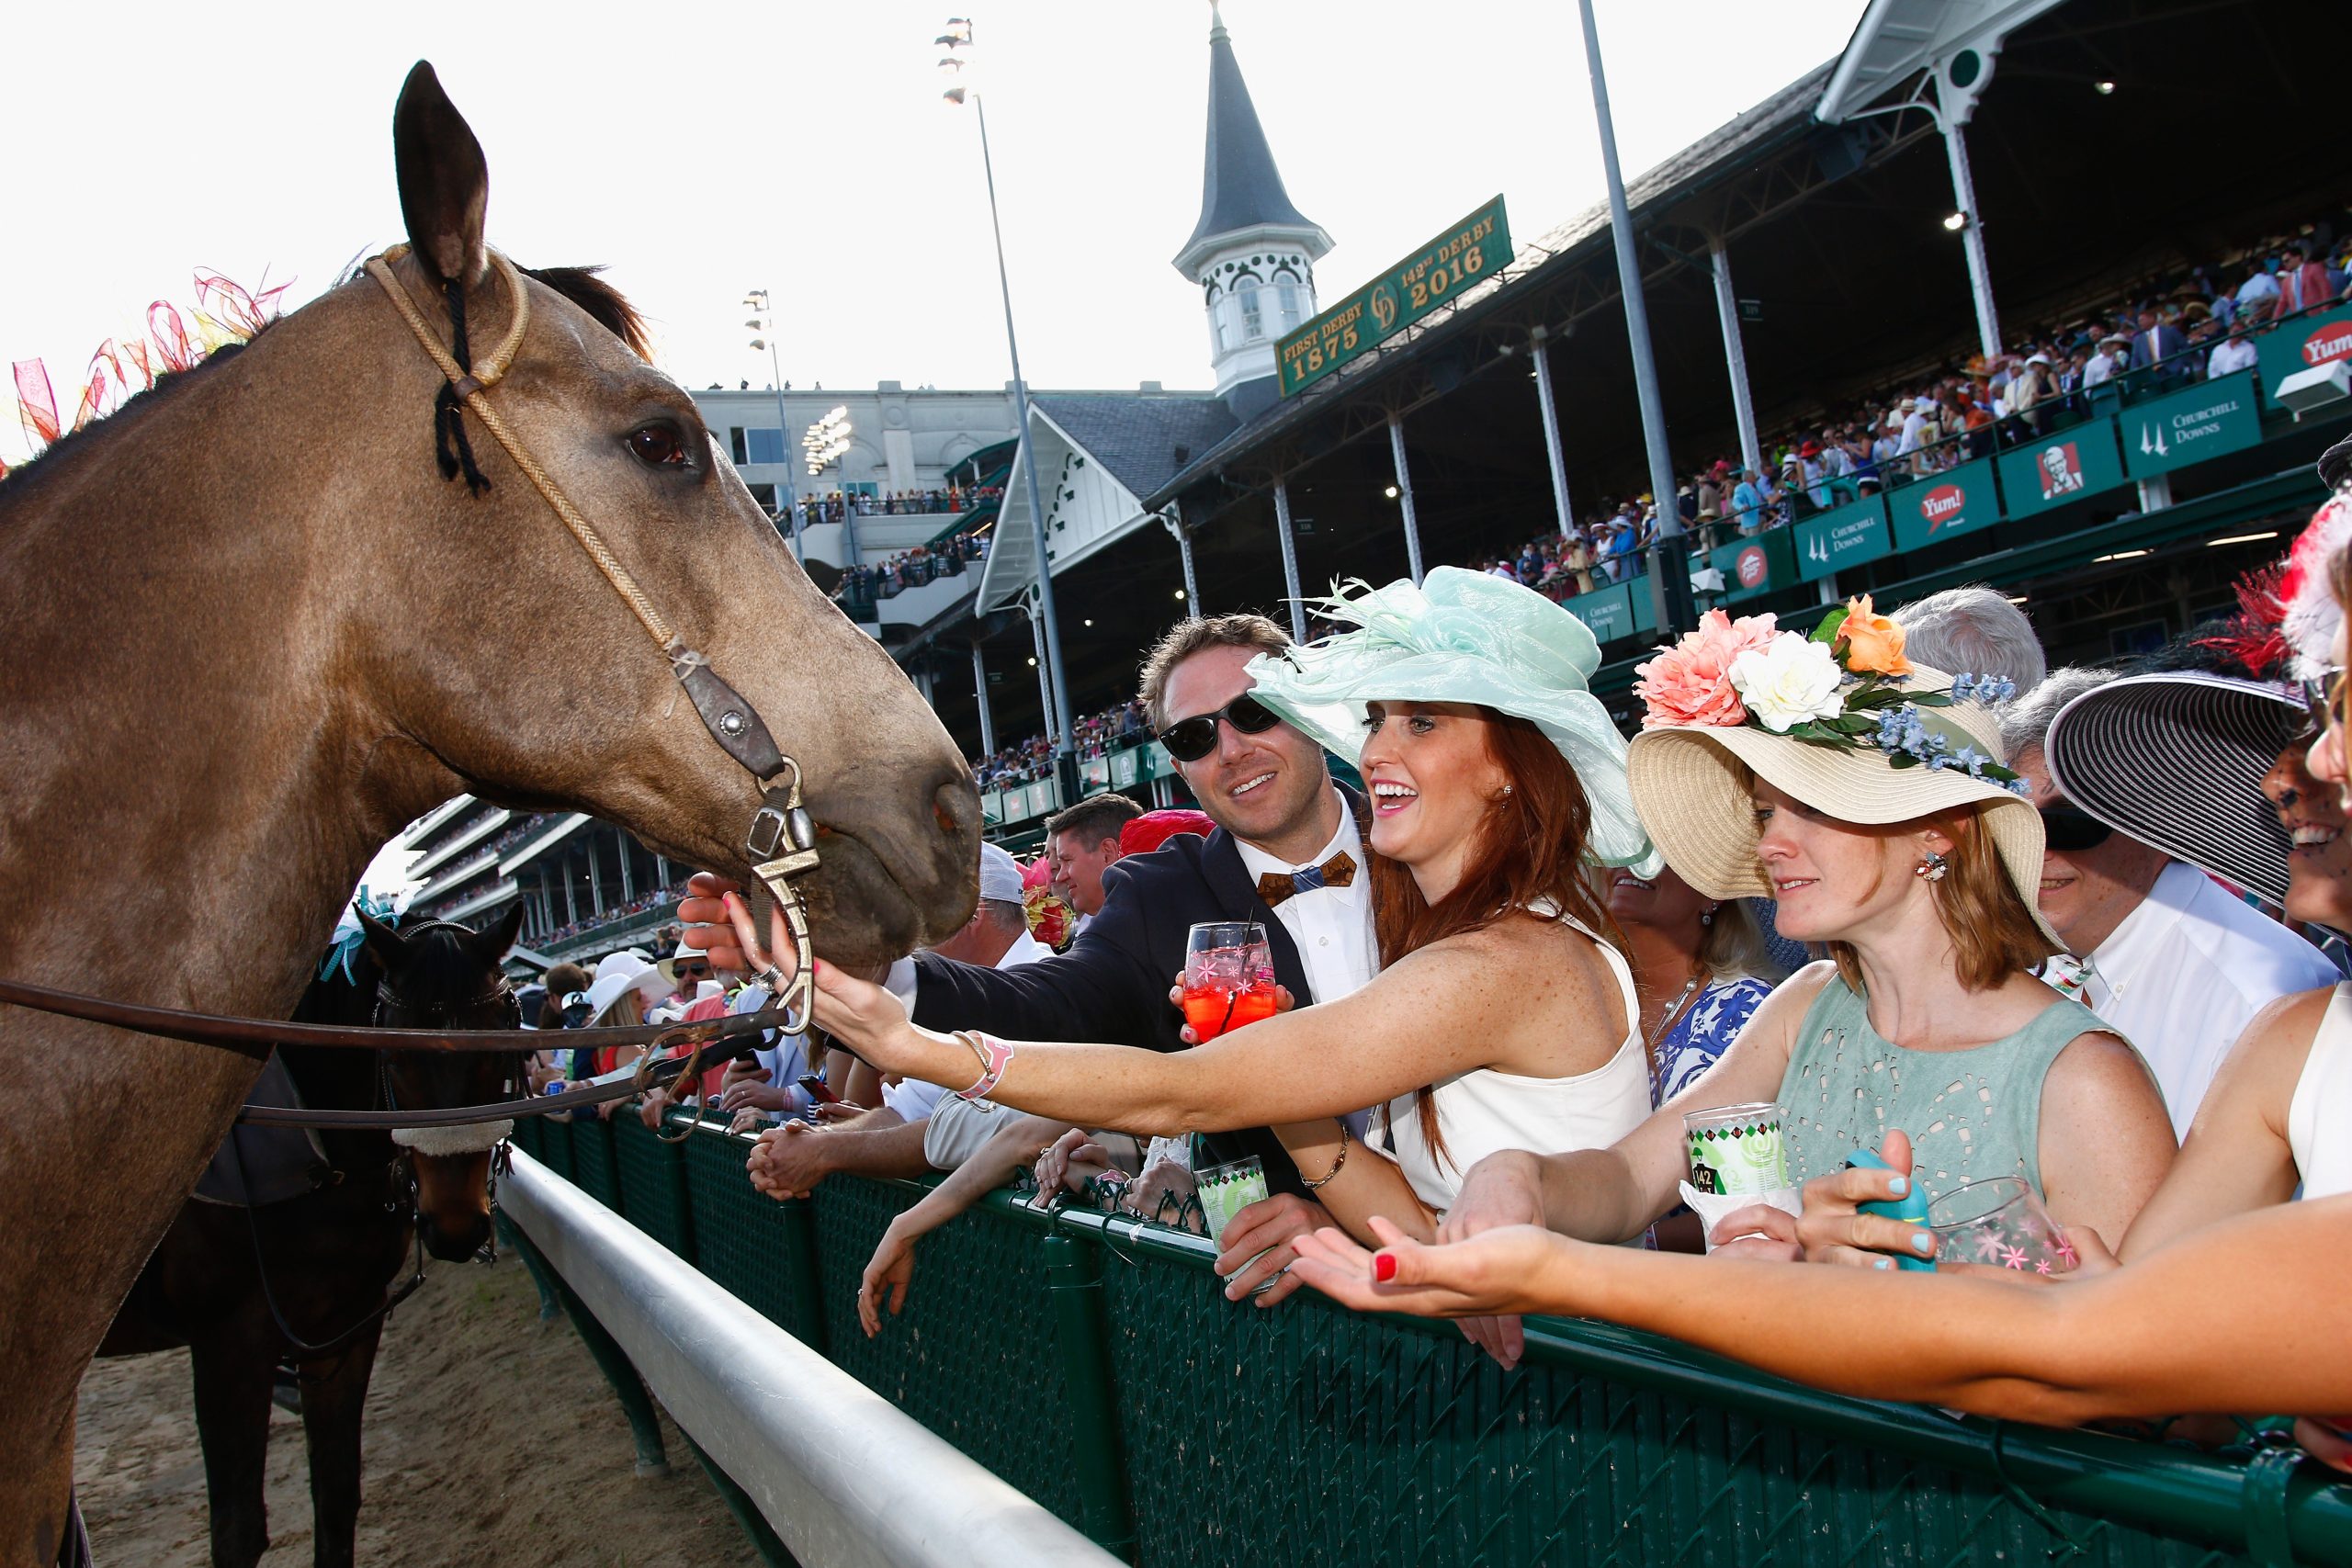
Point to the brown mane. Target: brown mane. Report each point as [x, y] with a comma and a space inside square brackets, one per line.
[608, 307]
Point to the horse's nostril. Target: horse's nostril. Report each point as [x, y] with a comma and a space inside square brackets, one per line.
[944, 818]
[955, 807]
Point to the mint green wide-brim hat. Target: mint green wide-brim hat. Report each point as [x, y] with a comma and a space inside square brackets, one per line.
[1465, 637]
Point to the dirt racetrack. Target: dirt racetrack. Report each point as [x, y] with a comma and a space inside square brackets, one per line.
[490, 1439]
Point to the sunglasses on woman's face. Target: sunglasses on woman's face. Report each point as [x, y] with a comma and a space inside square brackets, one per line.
[2065, 827]
[1190, 739]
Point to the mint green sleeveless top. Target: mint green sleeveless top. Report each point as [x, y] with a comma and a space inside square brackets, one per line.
[1971, 1114]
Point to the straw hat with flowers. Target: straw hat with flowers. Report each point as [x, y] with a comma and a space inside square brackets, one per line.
[1839, 720]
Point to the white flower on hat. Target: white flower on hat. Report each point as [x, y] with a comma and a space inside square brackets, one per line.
[1789, 681]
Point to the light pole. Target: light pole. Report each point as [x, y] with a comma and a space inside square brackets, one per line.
[1670, 574]
[827, 442]
[958, 35]
[764, 324]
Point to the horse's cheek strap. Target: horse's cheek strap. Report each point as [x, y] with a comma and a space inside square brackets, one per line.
[732, 722]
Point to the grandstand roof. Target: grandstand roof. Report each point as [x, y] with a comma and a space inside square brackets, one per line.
[1897, 38]
[1145, 440]
[1240, 187]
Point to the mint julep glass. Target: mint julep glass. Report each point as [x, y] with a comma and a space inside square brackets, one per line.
[1736, 1149]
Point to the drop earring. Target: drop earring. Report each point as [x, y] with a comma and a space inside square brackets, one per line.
[1930, 869]
[1707, 916]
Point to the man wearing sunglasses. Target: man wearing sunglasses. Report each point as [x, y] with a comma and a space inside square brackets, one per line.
[2169, 956]
[1287, 853]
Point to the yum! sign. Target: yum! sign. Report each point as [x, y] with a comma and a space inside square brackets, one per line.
[1934, 510]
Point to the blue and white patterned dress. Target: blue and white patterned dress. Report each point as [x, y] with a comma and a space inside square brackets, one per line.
[1703, 1033]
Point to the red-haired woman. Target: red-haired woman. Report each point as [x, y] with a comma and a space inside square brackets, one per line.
[1503, 1016]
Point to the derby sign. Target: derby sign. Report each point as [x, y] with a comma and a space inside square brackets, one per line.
[2190, 426]
[1446, 268]
[1843, 537]
[1943, 506]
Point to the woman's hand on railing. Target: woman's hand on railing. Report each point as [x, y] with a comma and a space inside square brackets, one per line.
[1055, 1159]
[1500, 1191]
[1484, 1276]
[889, 1274]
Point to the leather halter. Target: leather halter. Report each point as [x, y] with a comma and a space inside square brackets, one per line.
[781, 840]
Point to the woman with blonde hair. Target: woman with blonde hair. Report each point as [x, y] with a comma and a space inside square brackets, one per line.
[1869, 798]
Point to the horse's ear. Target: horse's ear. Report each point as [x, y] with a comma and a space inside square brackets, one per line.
[444, 179]
[491, 946]
[389, 947]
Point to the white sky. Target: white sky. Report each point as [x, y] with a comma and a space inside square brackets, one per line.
[701, 148]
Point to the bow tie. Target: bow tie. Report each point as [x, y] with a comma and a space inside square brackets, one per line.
[1277, 886]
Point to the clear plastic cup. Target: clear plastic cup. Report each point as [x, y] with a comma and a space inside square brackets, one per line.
[2000, 1222]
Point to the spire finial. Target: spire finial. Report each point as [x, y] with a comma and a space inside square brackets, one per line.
[1216, 22]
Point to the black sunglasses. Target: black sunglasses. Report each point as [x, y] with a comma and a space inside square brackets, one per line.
[1190, 739]
[2065, 827]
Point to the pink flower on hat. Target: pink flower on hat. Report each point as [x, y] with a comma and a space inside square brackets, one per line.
[1689, 684]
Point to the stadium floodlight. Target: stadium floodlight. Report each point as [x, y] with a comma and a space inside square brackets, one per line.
[1954, 222]
[1390, 492]
[2104, 89]
[827, 442]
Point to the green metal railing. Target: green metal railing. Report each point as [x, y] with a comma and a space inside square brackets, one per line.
[1091, 1361]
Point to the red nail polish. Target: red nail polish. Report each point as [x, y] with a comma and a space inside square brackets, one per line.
[1384, 1266]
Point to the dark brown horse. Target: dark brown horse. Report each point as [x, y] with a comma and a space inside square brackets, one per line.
[250, 630]
[308, 1278]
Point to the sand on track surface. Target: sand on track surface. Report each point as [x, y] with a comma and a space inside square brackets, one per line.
[490, 1439]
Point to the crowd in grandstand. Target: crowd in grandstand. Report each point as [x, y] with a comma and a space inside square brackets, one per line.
[2168, 332]
[913, 568]
[838, 506]
[1096, 734]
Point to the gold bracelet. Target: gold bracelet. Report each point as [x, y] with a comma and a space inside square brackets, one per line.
[1339, 1165]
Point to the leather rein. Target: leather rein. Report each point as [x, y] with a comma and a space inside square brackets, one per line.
[781, 841]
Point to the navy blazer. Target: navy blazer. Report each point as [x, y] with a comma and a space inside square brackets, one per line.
[1112, 985]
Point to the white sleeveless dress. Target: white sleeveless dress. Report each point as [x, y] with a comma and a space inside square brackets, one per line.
[1483, 1111]
[2319, 1117]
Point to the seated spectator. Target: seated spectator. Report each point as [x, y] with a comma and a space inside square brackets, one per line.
[2162, 952]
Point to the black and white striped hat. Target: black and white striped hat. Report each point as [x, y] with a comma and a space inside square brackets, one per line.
[2176, 761]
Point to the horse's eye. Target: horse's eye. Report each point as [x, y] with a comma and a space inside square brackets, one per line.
[657, 445]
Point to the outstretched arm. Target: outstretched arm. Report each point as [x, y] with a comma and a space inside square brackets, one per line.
[1436, 1013]
[2248, 1315]
[890, 1273]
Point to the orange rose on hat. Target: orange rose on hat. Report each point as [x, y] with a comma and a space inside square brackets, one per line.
[1873, 642]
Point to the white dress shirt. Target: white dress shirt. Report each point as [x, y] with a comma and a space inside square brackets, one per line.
[2183, 973]
[914, 1100]
[2230, 354]
[1331, 927]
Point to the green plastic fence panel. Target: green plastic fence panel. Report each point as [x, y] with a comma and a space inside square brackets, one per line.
[592, 1166]
[653, 1184]
[741, 1235]
[1308, 1435]
[555, 1146]
[972, 1357]
[526, 1135]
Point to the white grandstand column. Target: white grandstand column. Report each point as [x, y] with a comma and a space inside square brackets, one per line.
[1404, 497]
[570, 898]
[595, 879]
[1539, 350]
[1173, 521]
[1743, 406]
[981, 694]
[1972, 237]
[1039, 659]
[1290, 561]
[629, 882]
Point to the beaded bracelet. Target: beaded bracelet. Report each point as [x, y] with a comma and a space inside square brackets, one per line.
[1337, 1164]
[994, 1057]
